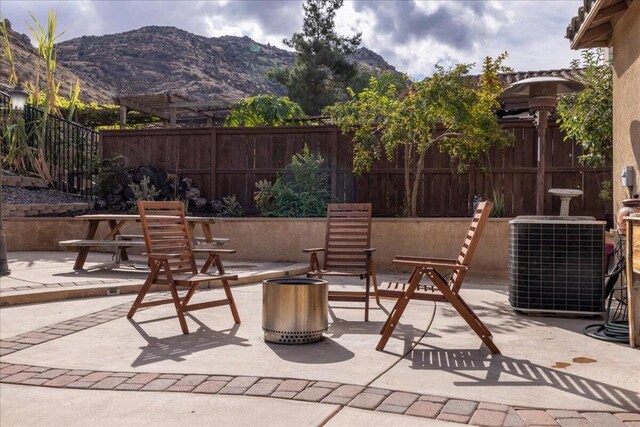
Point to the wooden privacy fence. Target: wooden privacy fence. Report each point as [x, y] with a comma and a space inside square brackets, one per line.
[225, 161]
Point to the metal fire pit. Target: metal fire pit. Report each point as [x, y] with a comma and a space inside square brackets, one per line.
[294, 311]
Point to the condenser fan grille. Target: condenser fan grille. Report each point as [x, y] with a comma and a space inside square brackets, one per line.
[556, 265]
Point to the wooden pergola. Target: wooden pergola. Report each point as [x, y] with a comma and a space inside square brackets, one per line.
[172, 107]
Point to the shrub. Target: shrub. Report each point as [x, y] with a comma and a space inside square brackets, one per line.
[264, 196]
[300, 192]
[498, 205]
[228, 206]
[142, 191]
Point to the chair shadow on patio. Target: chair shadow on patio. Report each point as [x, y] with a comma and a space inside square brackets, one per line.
[338, 327]
[177, 347]
[464, 363]
[504, 320]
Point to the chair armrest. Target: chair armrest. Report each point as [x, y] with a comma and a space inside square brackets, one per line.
[424, 259]
[214, 250]
[162, 256]
[313, 250]
[369, 251]
[446, 265]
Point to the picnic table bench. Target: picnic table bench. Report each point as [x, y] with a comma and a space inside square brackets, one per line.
[119, 242]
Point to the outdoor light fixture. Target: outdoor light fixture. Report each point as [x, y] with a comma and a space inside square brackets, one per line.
[543, 97]
[18, 97]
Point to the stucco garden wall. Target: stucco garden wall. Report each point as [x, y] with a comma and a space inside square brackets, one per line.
[626, 100]
[276, 239]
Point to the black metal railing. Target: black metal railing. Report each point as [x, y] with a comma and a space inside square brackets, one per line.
[69, 149]
[4, 104]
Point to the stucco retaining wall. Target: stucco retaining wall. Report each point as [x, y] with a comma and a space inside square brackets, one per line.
[277, 239]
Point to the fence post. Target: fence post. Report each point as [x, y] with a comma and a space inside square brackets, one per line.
[334, 161]
[213, 169]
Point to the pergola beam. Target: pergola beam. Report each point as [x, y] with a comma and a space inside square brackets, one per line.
[132, 105]
[197, 104]
[167, 106]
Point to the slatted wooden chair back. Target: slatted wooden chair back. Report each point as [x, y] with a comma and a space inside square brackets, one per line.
[166, 232]
[470, 243]
[348, 235]
[441, 290]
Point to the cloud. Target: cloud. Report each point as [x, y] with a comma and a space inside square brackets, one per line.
[279, 17]
[415, 35]
[411, 35]
[455, 24]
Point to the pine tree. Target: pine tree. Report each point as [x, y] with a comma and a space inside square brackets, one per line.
[321, 72]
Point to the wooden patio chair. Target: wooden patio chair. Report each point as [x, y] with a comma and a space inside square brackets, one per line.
[172, 261]
[440, 290]
[347, 251]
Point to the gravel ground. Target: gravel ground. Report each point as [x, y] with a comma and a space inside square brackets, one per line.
[28, 196]
[32, 195]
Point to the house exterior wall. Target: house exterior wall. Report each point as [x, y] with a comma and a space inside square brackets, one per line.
[626, 101]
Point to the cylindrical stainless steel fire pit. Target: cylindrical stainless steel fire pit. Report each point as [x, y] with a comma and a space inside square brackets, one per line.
[294, 311]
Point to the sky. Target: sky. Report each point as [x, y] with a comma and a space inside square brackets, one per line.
[412, 35]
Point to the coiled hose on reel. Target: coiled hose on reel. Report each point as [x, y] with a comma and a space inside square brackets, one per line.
[616, 326]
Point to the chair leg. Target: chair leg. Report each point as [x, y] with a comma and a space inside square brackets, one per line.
[232, 303]
[178, 305]
[189, 295]
[366, 297]
[398, 309]
[476, 324]
[464, 310]
[375, 281]
[413, 276]
[484, 328]
[176, 297]
[143, 291]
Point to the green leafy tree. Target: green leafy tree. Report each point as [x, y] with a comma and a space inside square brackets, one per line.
[264, 110]
[321, 71]
[587, 116]
[450, 109]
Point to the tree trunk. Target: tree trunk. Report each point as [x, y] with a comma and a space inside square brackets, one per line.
[416, 183]
[408, 150]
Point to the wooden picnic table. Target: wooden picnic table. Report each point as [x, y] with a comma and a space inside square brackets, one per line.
[114, 237]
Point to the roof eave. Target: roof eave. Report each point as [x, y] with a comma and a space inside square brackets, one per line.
[593, 27]
[577, 39]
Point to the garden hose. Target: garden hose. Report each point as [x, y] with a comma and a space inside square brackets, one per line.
[612, 330]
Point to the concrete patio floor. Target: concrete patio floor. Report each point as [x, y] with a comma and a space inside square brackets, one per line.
[549, 371]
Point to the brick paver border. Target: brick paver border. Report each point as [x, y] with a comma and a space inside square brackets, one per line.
[34, 286]
[351, 395]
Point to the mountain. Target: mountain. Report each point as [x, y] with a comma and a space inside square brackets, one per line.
[161, 59]
[25, 58]
[165, 59]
